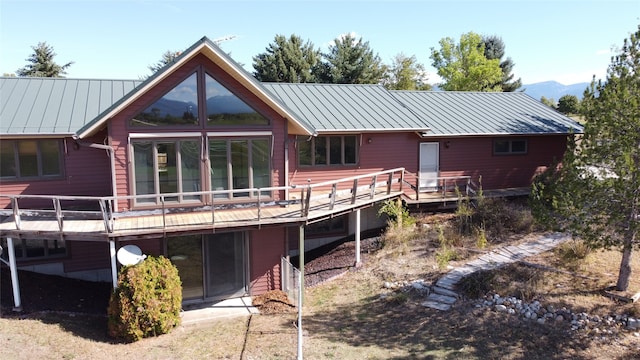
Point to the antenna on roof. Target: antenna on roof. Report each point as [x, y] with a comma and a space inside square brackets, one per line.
[223, 39]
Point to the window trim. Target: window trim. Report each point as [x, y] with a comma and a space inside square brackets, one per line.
[327, 139]
[39, 160]
[250, 170]
[155, 140]
[510, 141]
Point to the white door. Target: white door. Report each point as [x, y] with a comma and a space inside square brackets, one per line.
[429, 168]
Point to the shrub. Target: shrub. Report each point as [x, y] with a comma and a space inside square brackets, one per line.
[477, 284]
[147, 301]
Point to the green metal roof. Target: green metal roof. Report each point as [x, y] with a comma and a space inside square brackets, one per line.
[347, 108]
[55, 106]
[485, 113]
[79, 107]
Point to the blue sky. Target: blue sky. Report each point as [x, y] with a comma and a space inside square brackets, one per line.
[564, 40]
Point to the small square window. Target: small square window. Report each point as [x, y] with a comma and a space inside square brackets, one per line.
[509, 146]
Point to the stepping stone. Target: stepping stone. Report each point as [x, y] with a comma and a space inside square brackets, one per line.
[436, 305]
[447, 284]
[444, 291]
[442, 298]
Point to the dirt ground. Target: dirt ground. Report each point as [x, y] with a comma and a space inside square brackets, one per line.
[345, 316]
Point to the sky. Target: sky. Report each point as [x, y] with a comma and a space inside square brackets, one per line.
[568, 41]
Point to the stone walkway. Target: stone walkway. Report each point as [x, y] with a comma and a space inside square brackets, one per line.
[443, 294]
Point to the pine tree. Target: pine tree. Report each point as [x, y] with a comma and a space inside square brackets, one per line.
[41, 63]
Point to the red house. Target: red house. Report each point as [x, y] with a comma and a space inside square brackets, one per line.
[221, 173]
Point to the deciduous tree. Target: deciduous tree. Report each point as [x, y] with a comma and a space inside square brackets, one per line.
[464, 67]
[41, 63]
[405, 73]
[595, 194]
[287, 60]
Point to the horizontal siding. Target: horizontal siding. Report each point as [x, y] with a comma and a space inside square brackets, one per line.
[464, 156]
[386, 151]
[474, 157]
[87, 255]
[266, 248]
[86, 173]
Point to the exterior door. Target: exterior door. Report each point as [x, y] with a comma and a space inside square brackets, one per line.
[429, 166]
[225, 263]
[210, 266]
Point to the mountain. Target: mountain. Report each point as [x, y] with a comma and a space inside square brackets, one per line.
[554, 90]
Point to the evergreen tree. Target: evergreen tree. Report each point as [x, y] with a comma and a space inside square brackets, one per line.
[464, 67]
[494, 49]
[350, 61]
[595, 194]
[41, 63]
[286, 60]
[167, 58]
[569, 104]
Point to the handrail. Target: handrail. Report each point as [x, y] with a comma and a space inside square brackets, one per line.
[210, 198]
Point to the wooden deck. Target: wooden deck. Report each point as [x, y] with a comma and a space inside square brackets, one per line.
[313, 207]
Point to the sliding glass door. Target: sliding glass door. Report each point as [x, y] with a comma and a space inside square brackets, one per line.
[211, 266]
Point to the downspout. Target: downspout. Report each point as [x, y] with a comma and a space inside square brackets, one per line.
[112, 157]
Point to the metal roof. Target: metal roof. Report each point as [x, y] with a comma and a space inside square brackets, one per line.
[55, 106]
[485, 113]
[346, 107]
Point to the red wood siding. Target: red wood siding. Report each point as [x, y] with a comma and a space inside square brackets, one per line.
[86, 172]
[386, 151]
[87, 255]
[474, 157]
[154, 247]
[119, 130]
[469, 156]
[266, 248]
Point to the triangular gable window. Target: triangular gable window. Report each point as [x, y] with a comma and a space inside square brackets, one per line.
[178, 107]
[226, 109]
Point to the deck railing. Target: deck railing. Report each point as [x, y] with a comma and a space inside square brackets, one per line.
[444, 186]
[311, 197]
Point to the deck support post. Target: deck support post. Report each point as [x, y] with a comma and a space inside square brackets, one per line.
[357, 237]
[114, 269]
[300, 289]
[17, 302]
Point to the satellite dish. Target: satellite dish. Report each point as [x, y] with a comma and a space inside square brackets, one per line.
[130, 255]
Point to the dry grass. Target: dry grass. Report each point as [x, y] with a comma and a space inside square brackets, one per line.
[347, 318]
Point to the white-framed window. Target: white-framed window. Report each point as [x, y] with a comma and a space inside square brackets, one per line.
[31, 159]
[510, 146]
[162, 166]
[333, 150]
[240, 163]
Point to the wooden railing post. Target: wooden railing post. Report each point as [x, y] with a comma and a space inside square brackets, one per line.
[58, 210]
[106, 217]
[373, 186]
[259, 210]
[16, 212]
[307, 202]
[332, 197]
[354, 191]
[164, 218]
[389, 182]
